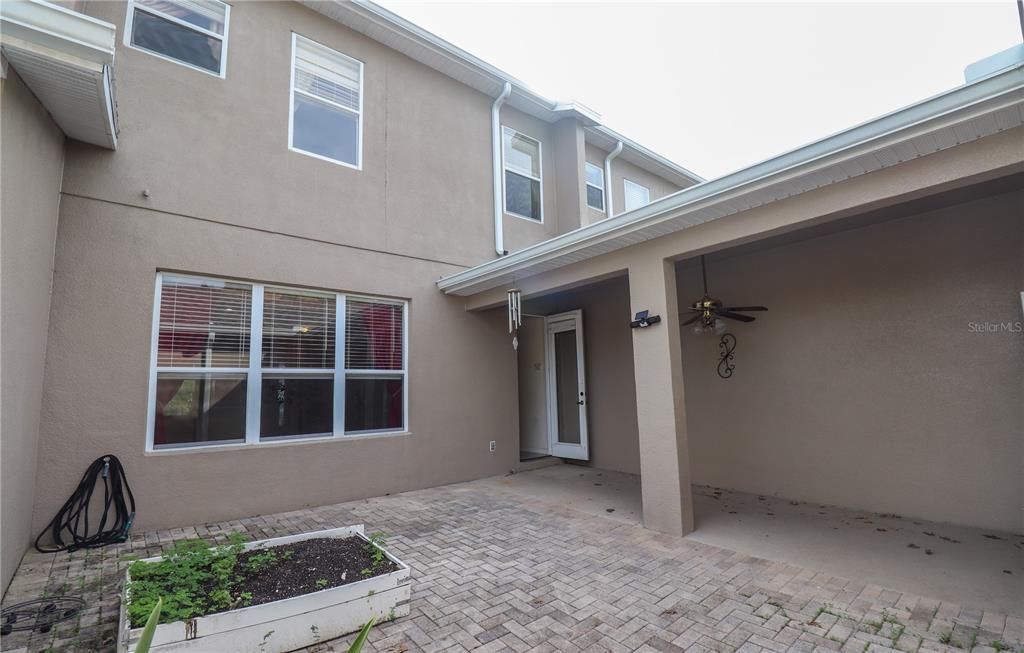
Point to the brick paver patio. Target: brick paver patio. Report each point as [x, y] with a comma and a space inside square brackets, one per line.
[494, 571]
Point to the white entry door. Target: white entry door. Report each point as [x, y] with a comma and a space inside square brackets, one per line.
[566, 388]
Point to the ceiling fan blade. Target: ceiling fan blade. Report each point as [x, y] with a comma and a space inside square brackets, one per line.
[735, 316]
[692, 319]
[746, 308]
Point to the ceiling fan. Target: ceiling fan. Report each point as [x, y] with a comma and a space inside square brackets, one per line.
[708, 310]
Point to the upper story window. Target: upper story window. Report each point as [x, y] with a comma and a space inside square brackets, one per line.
[635, 195]
[595, 186]
[523, 187]
[326, 104]
[189, 32]
[240, 363]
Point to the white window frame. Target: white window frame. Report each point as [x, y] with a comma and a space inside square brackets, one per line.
[529, 175]
[604, 197]
[129, 26]
[291, 106]
[254, 371]
[626, 183]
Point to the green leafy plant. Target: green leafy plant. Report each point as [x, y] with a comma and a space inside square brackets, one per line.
[357, 644]
[321, 583]
[146, 639]
[257, 562]
[947, 639]
[192, 579]
[375, 547]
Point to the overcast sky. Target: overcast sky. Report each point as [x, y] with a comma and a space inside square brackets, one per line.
[717, 87]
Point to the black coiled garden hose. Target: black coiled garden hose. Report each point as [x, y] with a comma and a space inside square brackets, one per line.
[72, 520]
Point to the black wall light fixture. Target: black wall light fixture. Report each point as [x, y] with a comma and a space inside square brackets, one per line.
[643, 320]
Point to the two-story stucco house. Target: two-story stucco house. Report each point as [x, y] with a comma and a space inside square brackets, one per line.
[262, 252]
[267, 193]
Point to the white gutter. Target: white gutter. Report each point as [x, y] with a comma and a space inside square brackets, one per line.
[988, 105]
[499, 210]
[649, 154]
[608, 178]
[67, 32]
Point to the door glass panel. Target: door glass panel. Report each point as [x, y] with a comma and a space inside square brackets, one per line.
[567, 389]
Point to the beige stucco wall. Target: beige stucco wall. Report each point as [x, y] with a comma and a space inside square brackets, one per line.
[864, 385]
[461, 366]
[608, 356]
[218, 148]
[533, 413]
[227, 198]
[31, 149]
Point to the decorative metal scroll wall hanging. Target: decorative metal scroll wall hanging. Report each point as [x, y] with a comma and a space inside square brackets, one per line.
[727, 345]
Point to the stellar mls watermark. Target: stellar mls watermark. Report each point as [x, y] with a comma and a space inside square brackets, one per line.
[995, 327]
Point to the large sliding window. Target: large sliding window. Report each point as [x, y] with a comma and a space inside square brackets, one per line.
[238, 363]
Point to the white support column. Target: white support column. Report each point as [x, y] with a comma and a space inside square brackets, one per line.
[660, 405]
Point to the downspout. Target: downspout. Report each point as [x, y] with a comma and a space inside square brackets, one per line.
[499, 235]
[608, 178]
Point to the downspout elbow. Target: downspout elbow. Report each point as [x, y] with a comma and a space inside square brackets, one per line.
[608, 178]
[499, 235]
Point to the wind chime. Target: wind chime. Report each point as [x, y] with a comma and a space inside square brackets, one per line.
[515, 316]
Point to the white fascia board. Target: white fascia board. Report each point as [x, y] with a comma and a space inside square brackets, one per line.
[58, 29]
[940, 112]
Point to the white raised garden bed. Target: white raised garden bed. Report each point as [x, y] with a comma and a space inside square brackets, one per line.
[284, 625]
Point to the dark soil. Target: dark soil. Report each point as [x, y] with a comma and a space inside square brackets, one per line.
[305, 567]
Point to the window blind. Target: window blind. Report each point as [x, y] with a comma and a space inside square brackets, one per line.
[635, 195]
[521, 153]
[203, 323]
[298, 330]
[208, 14]
[326, 74]
[374, 334]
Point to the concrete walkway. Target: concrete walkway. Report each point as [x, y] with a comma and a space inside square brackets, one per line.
[497, 570]
[971, 566]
